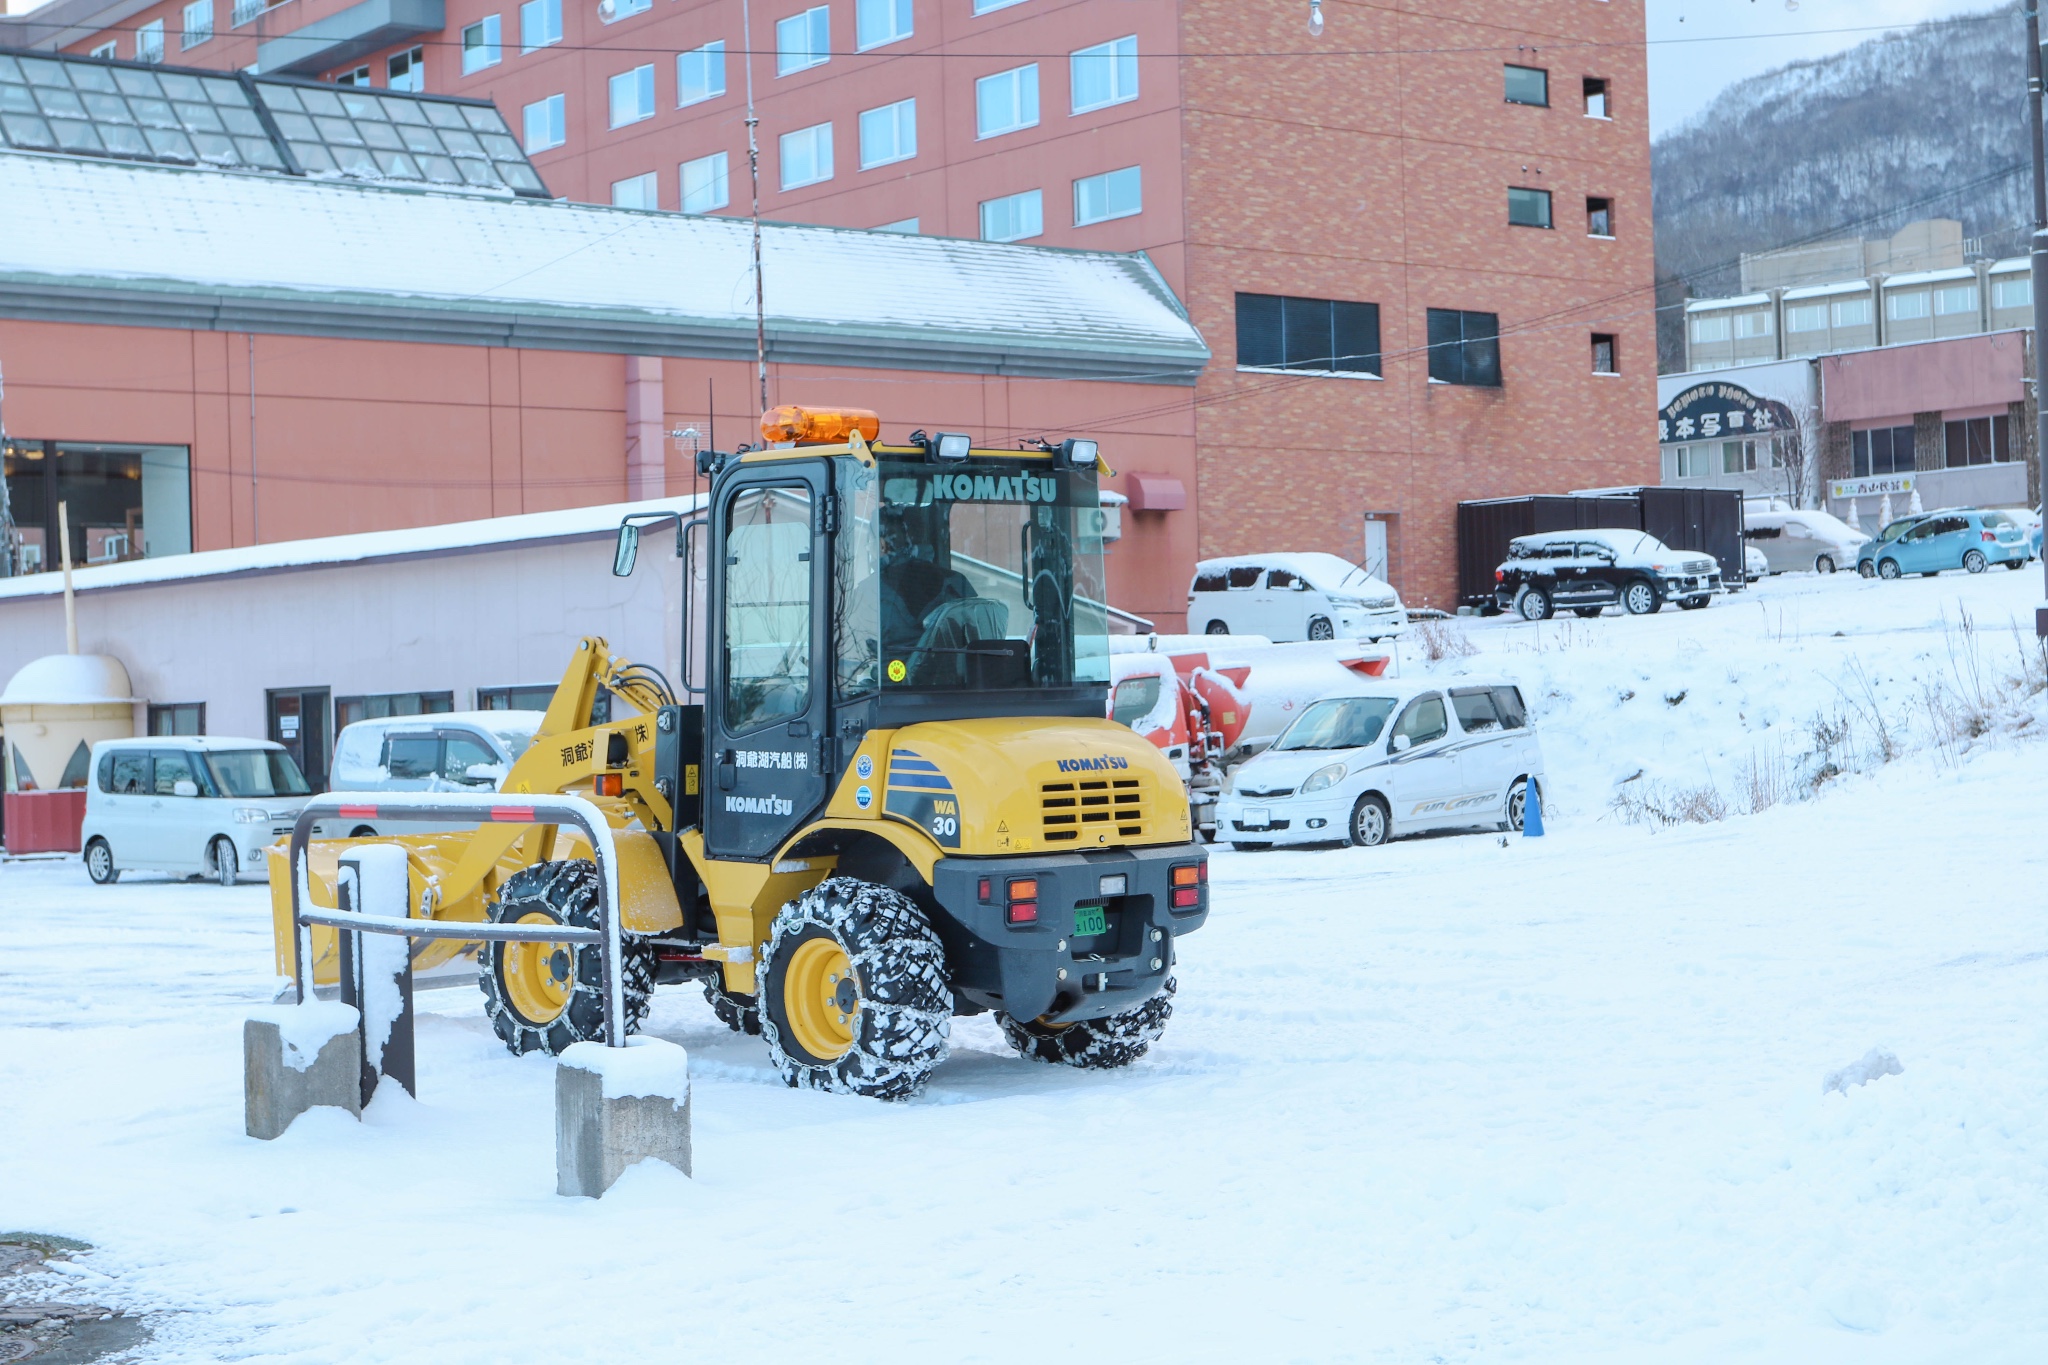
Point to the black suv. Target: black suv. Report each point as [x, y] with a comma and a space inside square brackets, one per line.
[1588, 571]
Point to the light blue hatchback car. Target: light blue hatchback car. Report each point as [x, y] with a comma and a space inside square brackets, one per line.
[1967, 538]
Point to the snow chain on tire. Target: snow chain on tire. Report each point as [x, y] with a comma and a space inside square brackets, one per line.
[740, 1013]
[567, 892]
[904, 1017]
[1096, 1044]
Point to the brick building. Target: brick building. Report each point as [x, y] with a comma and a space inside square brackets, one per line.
[1417, 244]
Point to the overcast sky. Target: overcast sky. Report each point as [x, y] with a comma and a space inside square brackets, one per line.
[1754, 36]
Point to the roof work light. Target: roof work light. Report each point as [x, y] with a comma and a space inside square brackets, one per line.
[1077, 454]
[949, 445]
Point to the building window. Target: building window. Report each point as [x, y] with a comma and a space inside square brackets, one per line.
[1599, 217]
[1596, 98]
[1113, 194]
[533, 698]
[105, 50]
[149, 41]
[1852, 313]
[480, 44]
[1464, 348]
[1529, 208]
[876, 22]
[907, 226]
[803, 41]
[178, 718]
[807, 156]
[984, 6]
[1006, 101]
[1749, 326]
[2017, 292]
[1013, 218]
[1709, 328]
[1906, 307]
[1887, 450]
[700, 74]
[1955, 298]
[546, 124]
[1806, 317]
[632, 95]
[638, 192]
[1528, 85]
[624, 9]
[888, 134]
[1603, 354]
[198, 24]
[123, 502]
[1978, 440]
[360, 77]
[384, 705]
[407, 70]
[1276, 332]
[540, 24]
[704, 184]
[1105, 74]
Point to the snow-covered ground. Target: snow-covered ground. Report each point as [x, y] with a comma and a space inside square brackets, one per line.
[1441, 1101]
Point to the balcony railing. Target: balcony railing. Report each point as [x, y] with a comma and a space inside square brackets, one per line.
[246, 10]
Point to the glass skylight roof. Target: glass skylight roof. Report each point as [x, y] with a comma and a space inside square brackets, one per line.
[138, 112]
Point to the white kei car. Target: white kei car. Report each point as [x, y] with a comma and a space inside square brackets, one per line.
[186, 804]
[1419, 754]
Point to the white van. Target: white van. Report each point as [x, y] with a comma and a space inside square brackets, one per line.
[1803, 540]
[188, 805]
[451, 751]
[1295, 596]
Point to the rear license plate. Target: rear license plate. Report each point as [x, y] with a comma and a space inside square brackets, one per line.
[1090, 920]
[1256, 817]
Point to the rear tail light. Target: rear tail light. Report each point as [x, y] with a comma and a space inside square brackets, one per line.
[1021, 912]
[1187, 880]
[1022, 897]
[1500, 576]
[1186, 897]
[1986, 535]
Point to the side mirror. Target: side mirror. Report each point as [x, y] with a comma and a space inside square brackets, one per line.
[1401, 743]
[627, 552]
[185, 788]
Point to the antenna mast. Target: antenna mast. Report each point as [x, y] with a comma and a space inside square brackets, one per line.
[754, 175]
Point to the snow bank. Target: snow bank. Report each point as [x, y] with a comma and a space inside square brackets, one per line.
[646, 1068]
[307, 1028]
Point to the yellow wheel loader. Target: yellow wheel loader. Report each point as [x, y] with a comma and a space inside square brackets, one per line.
[884, 795]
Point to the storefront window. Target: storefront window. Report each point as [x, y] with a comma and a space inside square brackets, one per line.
[1978, 440]
[122, 502]
[1886, 450]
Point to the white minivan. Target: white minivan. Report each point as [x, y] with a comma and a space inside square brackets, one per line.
[1412, 755]
[1296, 596]
[188, 805]
[1803, 539]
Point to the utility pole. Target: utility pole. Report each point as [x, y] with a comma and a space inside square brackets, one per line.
[754, 174]
[2040, 263]
[6, 507]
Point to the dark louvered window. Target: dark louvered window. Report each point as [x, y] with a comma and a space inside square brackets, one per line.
[1464, 348]
[1276, 332]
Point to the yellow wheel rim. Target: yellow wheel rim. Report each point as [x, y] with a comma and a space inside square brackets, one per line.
[539, 977]
[821, 997]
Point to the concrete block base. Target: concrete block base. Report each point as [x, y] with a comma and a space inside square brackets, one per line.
[617, 1106]
[295, 1057]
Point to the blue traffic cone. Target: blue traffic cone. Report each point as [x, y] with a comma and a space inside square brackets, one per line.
[1532, 813]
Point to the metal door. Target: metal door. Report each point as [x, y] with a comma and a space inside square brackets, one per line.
[768, 701]
[298, 721]
[1376, 550]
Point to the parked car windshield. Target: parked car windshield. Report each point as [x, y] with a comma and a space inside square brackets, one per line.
[256, 772]
[1338, 723]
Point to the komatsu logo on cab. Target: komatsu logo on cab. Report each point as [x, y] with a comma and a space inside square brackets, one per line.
[1093, 765]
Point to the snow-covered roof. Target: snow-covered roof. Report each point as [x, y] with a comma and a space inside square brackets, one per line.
[1325, 571]
[1738, 301]
[2011, 265]
[185, 247]
[1822, 291]
[452, 537]
[69, 680]
[1961, 272]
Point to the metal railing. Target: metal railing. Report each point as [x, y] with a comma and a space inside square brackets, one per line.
[442, 807]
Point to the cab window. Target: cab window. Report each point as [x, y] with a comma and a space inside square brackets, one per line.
[1280, 578]
[412, 757]
[767, 607]
[1424, 721]
[465, 752]
[1135, 698]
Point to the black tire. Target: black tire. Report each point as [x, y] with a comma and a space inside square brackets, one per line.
[1824, 564]
[1587, 613]
[1319, 628]
[1975, 562]
[362, 832]
[2015, 563]
[567, 893]
[1693, 603]
[898, 1007]
[1216, 628]
[99, 863]
[740, 1013]
[1093, 1044]
[1534, 604]
[1931, 573]
[1517, 807]
[1238, 846]
[1889, 570]
[1639, 597]
[220, 857]
[1866, 568]
[1371, 823]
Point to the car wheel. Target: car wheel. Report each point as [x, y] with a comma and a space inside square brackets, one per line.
[1518, 806]
[2015, 563]
[1975, 562]
[1866, 568]
[1889, 569]
[1239, 846]
[1370, 824]
[1586, 613]
[1319, 628]
[1825, 564]
[1693, 603]
[1534, 604]
[99, 863]
[362, 832]
[220, 859]
[1640, 598]
[1217, 628]
[1930, 573]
